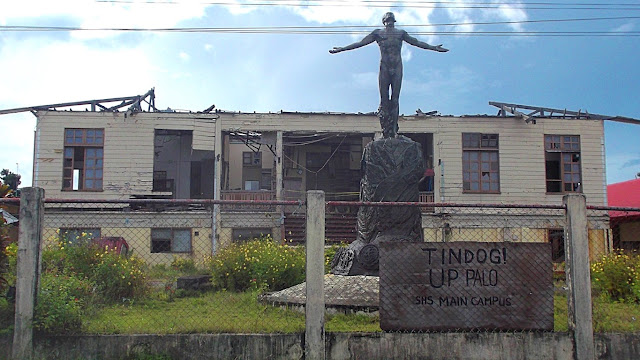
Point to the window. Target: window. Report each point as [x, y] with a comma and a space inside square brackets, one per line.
[480, 167]
[562, 163]
[556, 238]
[170, 240]
[83, 159]
[251, 185]
[265, 182]
[76, 235]
[250, 158]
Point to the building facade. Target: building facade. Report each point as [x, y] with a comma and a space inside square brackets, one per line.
[249, 156]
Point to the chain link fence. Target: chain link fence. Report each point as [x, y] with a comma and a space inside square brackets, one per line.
[203, 266]
[614, 247]
[156, 266]
[473, 267]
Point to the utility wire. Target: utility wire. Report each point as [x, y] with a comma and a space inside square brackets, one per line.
[334, 32]
[350, 29]
[406, 4]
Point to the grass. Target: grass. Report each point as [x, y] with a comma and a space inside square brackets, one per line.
[210, 313]
[616, 316]
[229, 312]
[219, 312]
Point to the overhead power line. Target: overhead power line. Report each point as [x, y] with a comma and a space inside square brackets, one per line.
[405, 4]
[353, 29]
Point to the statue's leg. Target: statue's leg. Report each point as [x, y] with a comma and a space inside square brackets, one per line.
[385, 109]
[384, 81]
[394, 106]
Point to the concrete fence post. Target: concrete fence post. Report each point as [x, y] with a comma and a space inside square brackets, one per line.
[314, 309]
[578, 275]
[28, 270]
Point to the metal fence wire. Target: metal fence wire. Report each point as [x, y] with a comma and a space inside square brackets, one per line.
[468, 268]
[614, 245]
[205, 266]
[154, 266]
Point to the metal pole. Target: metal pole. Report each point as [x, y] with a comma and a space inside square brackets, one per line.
[28, 270]
[314, 310]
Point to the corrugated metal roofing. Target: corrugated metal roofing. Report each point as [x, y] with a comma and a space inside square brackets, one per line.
[624, 194]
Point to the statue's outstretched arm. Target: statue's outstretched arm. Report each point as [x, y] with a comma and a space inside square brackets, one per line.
[421, 44]
[366, 41]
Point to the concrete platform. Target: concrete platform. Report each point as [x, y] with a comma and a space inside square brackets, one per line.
[341, 293]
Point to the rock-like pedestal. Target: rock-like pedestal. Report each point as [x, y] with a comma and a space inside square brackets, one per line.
[392, 168]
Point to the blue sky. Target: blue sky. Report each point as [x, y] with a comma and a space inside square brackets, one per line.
[294, 72]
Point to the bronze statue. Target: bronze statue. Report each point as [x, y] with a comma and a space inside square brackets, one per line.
[390, 41]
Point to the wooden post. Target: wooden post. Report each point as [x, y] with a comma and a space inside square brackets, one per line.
[28, 270]
[314, 310]
[578, 275]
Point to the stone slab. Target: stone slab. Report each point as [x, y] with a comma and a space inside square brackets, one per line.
[356, 292]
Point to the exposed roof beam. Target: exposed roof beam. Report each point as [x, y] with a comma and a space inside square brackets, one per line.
[134, 101]
[540, 112]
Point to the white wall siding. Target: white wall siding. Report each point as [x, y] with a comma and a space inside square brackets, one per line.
[128, 148]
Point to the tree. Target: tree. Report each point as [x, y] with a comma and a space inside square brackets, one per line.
[10, 179]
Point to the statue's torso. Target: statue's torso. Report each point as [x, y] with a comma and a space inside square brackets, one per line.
[390, 42]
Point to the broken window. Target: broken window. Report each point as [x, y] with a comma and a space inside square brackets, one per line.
[250, 158]
[180, 171]
[562, 163]
[168, 240]
[77, 235]
[480, 166]
[83, 159]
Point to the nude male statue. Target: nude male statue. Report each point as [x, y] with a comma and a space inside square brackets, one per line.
[390, 41]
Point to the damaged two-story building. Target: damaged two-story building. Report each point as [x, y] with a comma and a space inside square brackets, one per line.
[111, 155]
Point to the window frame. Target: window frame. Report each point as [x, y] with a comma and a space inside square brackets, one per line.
[90, 142]
[254, 157]
[558, 144]
[171, 240]
[485, 143]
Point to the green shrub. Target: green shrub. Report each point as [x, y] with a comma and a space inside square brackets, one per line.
[258, 264]
[9, 264]
[117, 277]
[185, 266]
[114, 276]
[617, 277]
[60, 302]
[4, 256]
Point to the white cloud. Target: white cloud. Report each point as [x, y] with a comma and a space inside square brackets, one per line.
[624, 28]
[92, 14]
[622, 166]
[46, 72]
[333, 14]
[184, 56]
[406, 53]
[459, 14]
[39, 71]
[507, 11]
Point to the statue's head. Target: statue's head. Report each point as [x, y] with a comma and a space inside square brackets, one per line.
[388, 17]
